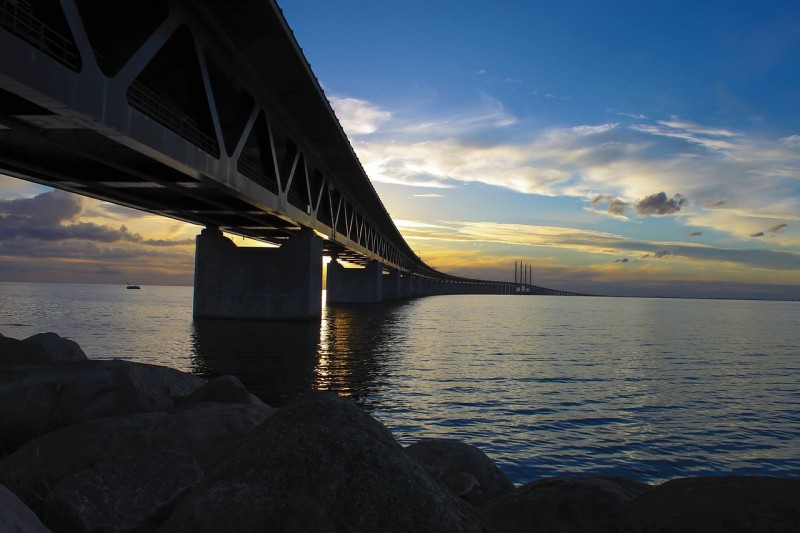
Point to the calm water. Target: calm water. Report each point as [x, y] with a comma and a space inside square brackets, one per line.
[647, 388]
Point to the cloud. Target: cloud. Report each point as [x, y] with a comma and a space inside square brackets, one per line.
[777, 227]
[594, 243]
[616, 206]
[105, 271]
[54, 215]
[428, 195]
[694, 233]
[658, 255]
[358, 117]
[659, 204]
[623, 260]
[757, 234]
[46, 209]
[720, 169]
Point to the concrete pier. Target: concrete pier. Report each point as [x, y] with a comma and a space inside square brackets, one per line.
[355, 285]
[392, 288]
[258, 283]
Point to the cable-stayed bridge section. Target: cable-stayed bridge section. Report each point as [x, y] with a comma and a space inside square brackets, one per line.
[205, 111]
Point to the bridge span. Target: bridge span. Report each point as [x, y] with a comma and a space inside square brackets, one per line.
[206, 111]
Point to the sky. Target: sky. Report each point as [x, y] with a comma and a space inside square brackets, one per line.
[617, 147]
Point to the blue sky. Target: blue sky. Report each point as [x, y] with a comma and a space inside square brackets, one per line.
[631, 148]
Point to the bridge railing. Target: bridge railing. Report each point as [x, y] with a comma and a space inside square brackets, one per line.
[159, 109]
[17, 17]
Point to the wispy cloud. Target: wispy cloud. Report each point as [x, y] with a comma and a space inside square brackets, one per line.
[716, 170]
[601, 244]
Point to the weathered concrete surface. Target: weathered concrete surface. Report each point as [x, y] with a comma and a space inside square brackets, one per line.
[258, 283]
[354, 285]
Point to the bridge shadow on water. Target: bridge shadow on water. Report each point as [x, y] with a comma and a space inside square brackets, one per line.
[280, 360]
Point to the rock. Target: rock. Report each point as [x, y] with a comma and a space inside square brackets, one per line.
[465, 469]
[35, 400]
[57, 349]
[321, 464]
[15, 515]
[224, 389]
[569, 504]
[717, 504]
[205, 432]
[39, 349]
[122, 494]
[15, 352]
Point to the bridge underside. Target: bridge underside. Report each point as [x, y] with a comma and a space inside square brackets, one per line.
[204, 111]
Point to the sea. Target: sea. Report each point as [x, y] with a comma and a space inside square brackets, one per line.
[650, 389]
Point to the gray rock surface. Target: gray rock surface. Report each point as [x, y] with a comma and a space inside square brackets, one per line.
[568, 504]
[465, 469]
[16, 517]
[717, 504]
[223, 389]
[39, 349]
[205, 432]
[35, 400]
[321, 464]
[123, 494]
[57, 349]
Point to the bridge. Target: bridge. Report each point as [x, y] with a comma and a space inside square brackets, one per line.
[207, 111]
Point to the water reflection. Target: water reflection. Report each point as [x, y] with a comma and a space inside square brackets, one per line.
[345, 352]
[274, 360]
[354, 352]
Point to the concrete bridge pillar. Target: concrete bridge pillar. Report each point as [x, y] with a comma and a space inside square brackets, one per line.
[355, 285]
[392, 289]
[282, 283]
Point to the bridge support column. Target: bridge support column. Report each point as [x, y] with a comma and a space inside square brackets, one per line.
[282, 283]
[392, 289]
[355, 285]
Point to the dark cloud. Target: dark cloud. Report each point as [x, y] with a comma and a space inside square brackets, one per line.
[694, 233]
[52, 216]
[777, 227]
[615, 205]
[658, 255]
[659, 204]
[46, 209]
[623, 260]
[105, 271]
[757, 234]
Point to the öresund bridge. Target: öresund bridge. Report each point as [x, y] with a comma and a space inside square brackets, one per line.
[207, 111]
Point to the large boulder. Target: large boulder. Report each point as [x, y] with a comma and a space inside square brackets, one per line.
[35, 400]
[465, 469]
[717, 504]
[204, 432]
[321, 464]
[122, 494]
[39, 349]
[15, 516]
[569, 504]
[222, 389]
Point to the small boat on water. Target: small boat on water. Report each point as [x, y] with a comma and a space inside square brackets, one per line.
[132, 286]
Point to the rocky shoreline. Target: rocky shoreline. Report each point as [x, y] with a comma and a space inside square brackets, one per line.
[106, 445]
